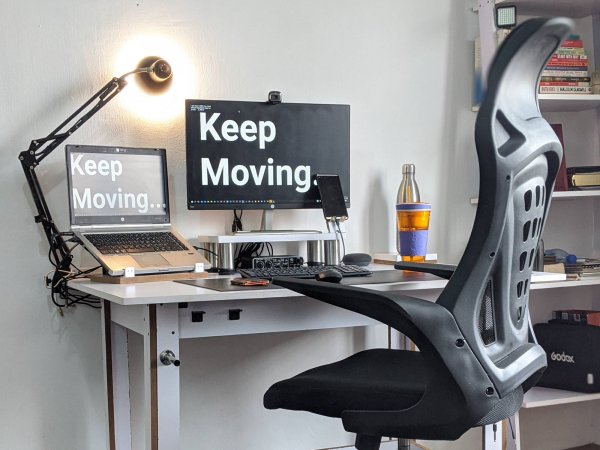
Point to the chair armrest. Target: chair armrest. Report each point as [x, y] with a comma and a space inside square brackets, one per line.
[440, 270]
[423, 321]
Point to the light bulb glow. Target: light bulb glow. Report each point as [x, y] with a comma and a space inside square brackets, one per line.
[165, 106]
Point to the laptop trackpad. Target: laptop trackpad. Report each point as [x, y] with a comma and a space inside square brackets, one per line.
[151, 260]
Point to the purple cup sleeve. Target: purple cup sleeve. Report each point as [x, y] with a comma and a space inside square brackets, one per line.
[413, 243]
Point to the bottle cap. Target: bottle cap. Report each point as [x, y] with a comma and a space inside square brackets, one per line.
[408, 168]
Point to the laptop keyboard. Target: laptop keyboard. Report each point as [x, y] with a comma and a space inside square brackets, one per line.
[123, 243]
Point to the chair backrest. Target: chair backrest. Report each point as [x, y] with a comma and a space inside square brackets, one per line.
[519, 156]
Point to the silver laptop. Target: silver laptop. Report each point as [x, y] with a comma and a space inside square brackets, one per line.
[119, 208]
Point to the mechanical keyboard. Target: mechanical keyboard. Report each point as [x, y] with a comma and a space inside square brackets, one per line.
[303, 271]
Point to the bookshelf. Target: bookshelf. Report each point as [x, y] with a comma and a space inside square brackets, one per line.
[568, 102]
[561, 195]
[573, 224]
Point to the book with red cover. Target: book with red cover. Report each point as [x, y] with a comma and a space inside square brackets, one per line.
[561, 183]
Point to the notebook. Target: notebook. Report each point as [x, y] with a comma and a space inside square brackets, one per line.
[119, 208]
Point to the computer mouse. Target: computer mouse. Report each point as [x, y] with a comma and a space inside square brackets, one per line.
[329, 275]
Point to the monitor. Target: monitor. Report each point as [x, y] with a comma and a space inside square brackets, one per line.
[258, 155]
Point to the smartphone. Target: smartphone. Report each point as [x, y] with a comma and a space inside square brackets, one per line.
[332, 197]
[249, 282]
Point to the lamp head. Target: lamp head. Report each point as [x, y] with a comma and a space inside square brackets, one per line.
[155, 74]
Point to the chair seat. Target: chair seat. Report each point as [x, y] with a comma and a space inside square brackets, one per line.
[372, 380]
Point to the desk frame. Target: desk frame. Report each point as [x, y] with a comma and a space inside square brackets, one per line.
[162, 320]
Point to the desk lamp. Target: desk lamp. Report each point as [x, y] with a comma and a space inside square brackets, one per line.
[154, 76]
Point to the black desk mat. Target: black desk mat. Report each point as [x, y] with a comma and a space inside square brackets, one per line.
[378, 277]
[224, 285]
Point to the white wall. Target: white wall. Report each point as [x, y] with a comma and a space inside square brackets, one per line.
[405, 69]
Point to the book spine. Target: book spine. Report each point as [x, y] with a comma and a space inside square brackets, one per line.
[567, 79]
[565, 73]
[564, 83]
[572, 43]
[568, 57]
[567, 63]
[565, 89]
[569, 51]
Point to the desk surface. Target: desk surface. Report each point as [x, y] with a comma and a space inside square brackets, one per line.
[172, 292]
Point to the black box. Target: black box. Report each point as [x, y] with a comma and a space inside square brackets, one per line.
[573, 356]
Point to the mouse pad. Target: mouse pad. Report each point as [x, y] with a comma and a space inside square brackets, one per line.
[224, 285]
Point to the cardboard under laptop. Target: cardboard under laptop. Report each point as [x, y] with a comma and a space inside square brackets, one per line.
[124, 190]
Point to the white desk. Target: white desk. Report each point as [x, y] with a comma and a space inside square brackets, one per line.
[162, 313]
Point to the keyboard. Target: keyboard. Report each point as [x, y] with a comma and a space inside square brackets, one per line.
[303, 271]
[123, 243]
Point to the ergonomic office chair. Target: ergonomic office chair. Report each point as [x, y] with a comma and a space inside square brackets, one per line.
[478, 354]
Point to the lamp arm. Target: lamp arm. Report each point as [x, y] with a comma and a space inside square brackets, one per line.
[41, 148]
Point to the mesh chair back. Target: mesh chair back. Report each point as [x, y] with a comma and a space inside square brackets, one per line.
[519, 156]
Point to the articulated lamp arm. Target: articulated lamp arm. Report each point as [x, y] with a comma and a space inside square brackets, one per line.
[157, 72]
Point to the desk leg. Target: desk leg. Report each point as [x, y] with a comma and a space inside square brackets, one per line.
[116, 359]
[161, 381]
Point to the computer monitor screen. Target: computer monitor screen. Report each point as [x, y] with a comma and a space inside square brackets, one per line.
[254, 155]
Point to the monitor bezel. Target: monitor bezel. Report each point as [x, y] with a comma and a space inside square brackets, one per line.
[118, 219]
[313, 204]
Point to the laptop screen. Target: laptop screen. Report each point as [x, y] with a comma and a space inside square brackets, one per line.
[117, 185]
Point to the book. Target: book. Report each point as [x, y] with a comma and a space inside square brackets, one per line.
[585, 179]
[565, 73]
[564, 83]
[561, 68]
[570, 51]
[567, 63]
[572, 43]
[568, 79]
[565, 90]
[392, 258]
[561, 183]
[568, 57]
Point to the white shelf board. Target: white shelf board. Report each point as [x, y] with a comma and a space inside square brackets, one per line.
[576, 194]
[564, 102]
[568, 102]
[267, 237]
[559, 195]
[538, 396]
[568, 8]
[566, 283]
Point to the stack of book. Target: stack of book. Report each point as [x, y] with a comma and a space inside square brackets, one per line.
[567, 70]
[584, 268]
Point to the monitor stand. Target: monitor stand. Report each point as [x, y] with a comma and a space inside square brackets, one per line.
[266, 227]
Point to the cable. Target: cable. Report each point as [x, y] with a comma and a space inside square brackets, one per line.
[250, 250]
[339, 230]
[237, 221]
[61, 295]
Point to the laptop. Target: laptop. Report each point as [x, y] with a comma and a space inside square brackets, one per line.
[119, 208]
